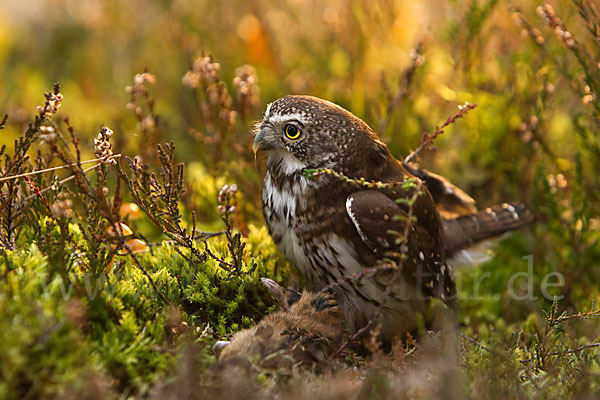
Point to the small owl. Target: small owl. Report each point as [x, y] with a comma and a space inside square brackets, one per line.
[330, 229]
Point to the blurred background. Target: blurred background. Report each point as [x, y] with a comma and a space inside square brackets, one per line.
[403, 66]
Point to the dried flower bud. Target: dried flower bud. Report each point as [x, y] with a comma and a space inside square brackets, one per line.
[245, 81]
[523, 126]
[147, 123]
[103, 147]
[587, 99]
[62, 208]
[191, 79]
[51, 106]
[556, 182]
[533, 121]
[417, 57]
[547, 13]
[527, 137]
[226, 198]
[140, 81]
[78, 257]
[56, 185]
[223, 193]
[47, 134]
[144, 78]
[207, 69]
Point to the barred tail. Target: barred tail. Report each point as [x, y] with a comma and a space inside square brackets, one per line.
[468, 230]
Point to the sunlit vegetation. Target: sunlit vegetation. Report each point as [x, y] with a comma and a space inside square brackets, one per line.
[120, 270]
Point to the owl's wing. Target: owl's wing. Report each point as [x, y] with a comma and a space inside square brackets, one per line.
[379, 222]
[450, 200]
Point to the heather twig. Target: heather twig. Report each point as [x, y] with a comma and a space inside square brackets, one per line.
[41, 171]
[204, 236]
[394, 99]
[17, 165]
[586, 60]
[214, 106]
[57, 183]
[315, 173]
[543, 347]
[563, 353]
[159, 195]
[427, 139]
[228, 207]
[143, 106]
[478, 344]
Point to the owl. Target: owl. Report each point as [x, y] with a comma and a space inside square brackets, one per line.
[331, 229]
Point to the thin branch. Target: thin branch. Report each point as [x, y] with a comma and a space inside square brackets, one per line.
[475, 342]
[6, 178]
[204, 236]
[427, 139]
[562, 353]
[137, 263]
[315, 173]
[63, 181]
[588, 314]
[404, 84]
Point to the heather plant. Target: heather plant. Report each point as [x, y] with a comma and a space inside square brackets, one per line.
[123, 299]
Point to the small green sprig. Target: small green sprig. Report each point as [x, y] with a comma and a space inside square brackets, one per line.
[407, 184]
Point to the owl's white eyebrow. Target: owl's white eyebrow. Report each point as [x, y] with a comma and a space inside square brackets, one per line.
[278, 118]
[268, 111]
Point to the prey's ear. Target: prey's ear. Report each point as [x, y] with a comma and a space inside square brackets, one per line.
[264, 331]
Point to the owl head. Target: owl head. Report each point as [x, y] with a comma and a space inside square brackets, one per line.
[299, 132]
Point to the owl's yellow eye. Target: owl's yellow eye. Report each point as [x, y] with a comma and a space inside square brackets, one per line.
[292, 131]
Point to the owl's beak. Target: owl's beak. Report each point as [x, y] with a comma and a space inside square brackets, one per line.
[261, 142]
